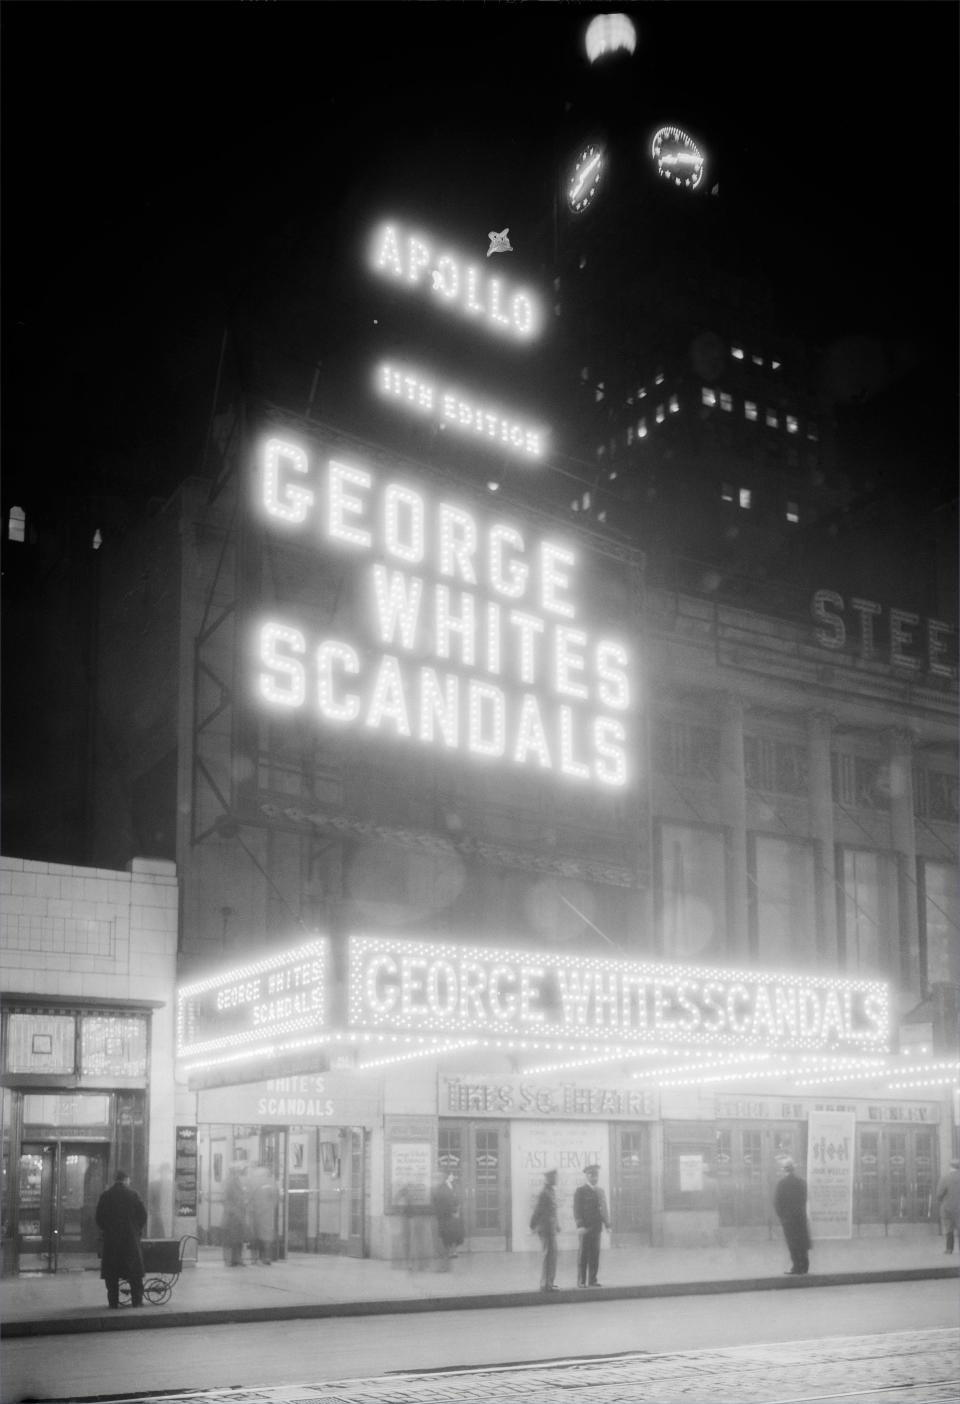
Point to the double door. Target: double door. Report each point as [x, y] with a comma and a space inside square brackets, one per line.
[896, 1175]
[747, 1165]
[478, 1154]
[58, 1186]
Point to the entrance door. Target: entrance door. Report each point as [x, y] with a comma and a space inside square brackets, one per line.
[748, 1167]
[273, 1158]
[478, 1154]
[630, 1184]
[59, 1183]
[896, 1174]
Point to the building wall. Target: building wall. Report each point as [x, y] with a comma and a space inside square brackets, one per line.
[89, 934]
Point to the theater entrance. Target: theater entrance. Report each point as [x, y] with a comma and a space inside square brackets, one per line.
[58, 1186]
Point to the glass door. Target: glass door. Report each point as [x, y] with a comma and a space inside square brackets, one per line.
[59, 1184]
[630, 1209]
[478, 1154]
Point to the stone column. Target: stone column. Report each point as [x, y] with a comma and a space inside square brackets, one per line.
[733, 809]
[820, 790]
[900, 742]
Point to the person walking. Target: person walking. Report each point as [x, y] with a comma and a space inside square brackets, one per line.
[121, 1217]
[264, 1197]
[790, 1204]
[233, 1229]
[446, 1206]
[545, 1222]
[591, 1217]
[948, 1198]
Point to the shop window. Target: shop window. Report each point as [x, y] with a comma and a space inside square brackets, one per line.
[782, 901]
[113, 1045]
[41, 1043]
[940, 922]
[868, 911]
[691, 882]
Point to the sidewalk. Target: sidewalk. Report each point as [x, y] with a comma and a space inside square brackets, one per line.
[317, 1286]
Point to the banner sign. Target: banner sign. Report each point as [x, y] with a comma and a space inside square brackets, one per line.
[518, 998]
[262, 1006]
[830, 1162]
[556, 1098]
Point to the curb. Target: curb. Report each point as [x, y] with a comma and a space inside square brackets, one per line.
[316, 1311]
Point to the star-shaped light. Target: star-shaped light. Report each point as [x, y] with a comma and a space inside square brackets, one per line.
[499, 243]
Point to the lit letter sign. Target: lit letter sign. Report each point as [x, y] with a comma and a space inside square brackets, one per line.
[256, 1009]
[518, 998]
[460, 631]
[463, 414]
[417, 262]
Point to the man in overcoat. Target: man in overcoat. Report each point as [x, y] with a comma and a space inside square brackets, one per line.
[591, 1216]
[121, 1218]
[544, 1221]
[790, 1203]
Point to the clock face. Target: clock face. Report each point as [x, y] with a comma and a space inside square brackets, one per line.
[677, 157]
[583, 183]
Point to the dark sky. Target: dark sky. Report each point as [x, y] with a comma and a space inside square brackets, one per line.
[170, 168]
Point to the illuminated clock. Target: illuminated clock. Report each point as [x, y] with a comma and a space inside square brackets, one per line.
[583, 183]
[677, 157]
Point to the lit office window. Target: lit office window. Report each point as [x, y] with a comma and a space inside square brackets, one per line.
[707, 396]
[757, 360]
[749, 409]
[793, 512]
[726, 492]
[772, 420]
[736, 352]
[642, 393]
[775, 365]
[658, 378]
[641, 428]
[629, 435]
[792, 424]
[661, 414]
[813, 433]
[746, 498]
[726, 401]
[674, 404]
[17, 525]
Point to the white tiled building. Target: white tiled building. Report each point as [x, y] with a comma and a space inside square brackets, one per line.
[87, 971]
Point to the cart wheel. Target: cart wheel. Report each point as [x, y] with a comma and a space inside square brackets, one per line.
[124, 1292]
[157, 1291]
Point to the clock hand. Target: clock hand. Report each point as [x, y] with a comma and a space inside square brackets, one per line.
[594, 161]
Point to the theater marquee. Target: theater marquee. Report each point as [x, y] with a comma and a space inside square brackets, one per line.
[526, 999]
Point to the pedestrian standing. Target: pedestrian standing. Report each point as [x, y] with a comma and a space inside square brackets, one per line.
[121, 1218]
[233, 1228]
[446, 1206]
[948, 1198]
[264, 1197]
[790, 1203]
[591, 1216]
[545, 1222]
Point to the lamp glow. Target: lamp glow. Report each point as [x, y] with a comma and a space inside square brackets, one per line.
[608, 33]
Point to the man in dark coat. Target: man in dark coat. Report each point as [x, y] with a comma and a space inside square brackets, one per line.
[121, 1218]
[790, 1203]
[544, 1222]
[591, 1217]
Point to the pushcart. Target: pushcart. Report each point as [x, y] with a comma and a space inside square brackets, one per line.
[162, 1266]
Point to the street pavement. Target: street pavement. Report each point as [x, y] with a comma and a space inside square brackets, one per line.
[879, 1341]
[310, 1285]
[919, 1366]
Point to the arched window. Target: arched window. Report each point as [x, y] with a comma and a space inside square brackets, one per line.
[17, 525]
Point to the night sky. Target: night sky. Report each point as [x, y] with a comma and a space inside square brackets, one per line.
[173, 169]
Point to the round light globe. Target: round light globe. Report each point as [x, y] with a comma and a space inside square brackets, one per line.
[607, 33]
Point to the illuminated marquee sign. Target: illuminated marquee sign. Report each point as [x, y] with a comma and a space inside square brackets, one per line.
[465, 414]
[416, 261]
[465, 630]
[516, 997]
[263, 1006]
[677, 157]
